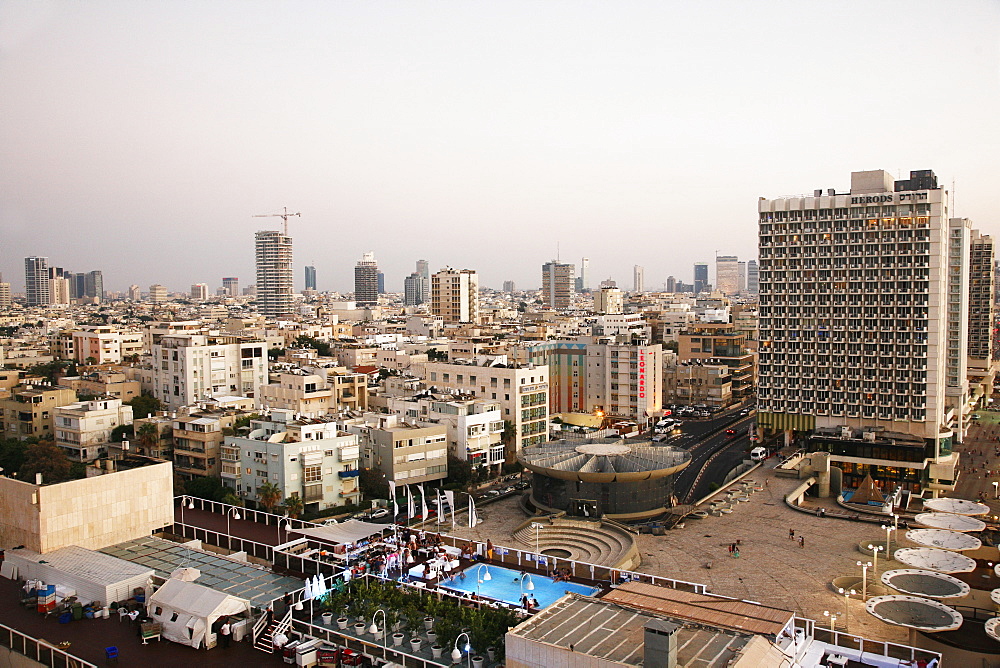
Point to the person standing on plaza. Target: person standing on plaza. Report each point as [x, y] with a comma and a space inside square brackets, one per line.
[791, 534]
[226, 633]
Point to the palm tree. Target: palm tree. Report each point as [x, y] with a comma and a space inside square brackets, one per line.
[148, 434]
[232, 499]
[293, 506]
[269, 495]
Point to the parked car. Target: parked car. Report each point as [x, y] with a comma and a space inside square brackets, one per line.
[329, 521]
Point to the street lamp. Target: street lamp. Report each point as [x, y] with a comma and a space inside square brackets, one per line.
[996, 489]
[456, 653]
[537, 526]
[287, 526]
[833, 618]
[864, 578]
[373, 629]
[847, 610]
[888, 533]
[190, 504]
[875, 550]
[233, 512]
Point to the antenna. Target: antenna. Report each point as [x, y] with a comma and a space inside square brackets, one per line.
[284, 216]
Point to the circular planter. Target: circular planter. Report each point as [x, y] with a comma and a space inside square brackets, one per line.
[327, 618]
[379, 633]
[436, 651]
[359, 629]
[415, 643]
[397, 639]
[342, 623]
[432, 637]
[478, 661]
[428, 623]
[492, 653]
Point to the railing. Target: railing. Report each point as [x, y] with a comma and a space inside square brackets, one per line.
[260, 625]
[375, 650]
[873, 647]
[40, 651]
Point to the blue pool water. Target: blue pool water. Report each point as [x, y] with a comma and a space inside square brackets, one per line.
[503, 587]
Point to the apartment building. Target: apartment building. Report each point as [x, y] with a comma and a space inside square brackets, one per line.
[982, 315]
[720, 343]
[315, 392]
[197, 442]
[5, 295]
[104, 383]
[475, 426]
[521, 391]
[157, 293]
[557, 285]
[407, 453]
[697, 382]
[83, 428]
[307, 457]
[455, 295]
[864, 322]
[273, 259]
[609, 300]
[624, 379]
[189, 367]
[105, 345]
[30, 410]
[366, 280]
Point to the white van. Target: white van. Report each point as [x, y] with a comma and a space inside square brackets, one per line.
[758, 454]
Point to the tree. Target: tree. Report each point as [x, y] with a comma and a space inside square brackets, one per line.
[232, 499]
[144, 405]
[148, 435]
[435, 355]
[294, 506]
[321, 347]
[459, 471]
[205, 488]
[12, 454]
[269, 495]
[373, 484]
[47, 458]
[122, 432]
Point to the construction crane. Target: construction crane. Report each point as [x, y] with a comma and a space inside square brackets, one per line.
[284, 216]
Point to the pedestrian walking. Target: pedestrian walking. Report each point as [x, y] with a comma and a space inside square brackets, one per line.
[802, 541]
[226, 632]
[732, 548]
[791, 534]
[736, 553]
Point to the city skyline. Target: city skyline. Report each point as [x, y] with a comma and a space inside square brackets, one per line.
[604, 126]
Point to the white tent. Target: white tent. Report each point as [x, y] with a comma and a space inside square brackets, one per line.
[350, 531]
[188, 610]
[91, 576]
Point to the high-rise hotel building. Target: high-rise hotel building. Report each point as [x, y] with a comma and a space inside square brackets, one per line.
[557, 285]
[864, 302]
[274, 273]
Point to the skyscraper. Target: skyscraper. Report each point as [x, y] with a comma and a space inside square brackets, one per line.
[700, 276]
[863, 322]
[752, 277]
[670, 285]
[727, 274]
[381, 283]
[455, 295]
[583, 281]
[231, 285]
[366, 280]
[557, 285]
[742, 278]
[310, 277]
[638, 279]
[274, 273]
[36, 280]
[509, 286]
[199, 291]
[981, 309]
[414, 288]
[94, 285]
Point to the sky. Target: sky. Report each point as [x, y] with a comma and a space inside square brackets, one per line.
[140, 138]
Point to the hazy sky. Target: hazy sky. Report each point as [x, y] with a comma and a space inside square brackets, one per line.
[139, 137]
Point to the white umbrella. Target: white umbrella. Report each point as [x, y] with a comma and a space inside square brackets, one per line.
[307, 593]
[319, 588]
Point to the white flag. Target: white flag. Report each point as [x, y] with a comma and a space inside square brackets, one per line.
[410, 508]
[439, 503]
[473, 517]
[392, 495]
[450, 496]
[423, 502]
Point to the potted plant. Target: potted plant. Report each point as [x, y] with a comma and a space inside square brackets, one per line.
[415, 643]
[359, 628]
[327, 618]
[397, 639]
[432, 636]
[492, 653]
[342, 623]
[436, 651]
[477, 662]
[428, 622]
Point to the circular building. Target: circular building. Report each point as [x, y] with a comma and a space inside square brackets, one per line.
[624, 480]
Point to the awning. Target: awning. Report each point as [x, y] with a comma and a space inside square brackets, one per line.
[350, 531]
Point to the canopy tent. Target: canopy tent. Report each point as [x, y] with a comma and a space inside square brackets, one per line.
[350, 531]
[188, 611]
[93, 576]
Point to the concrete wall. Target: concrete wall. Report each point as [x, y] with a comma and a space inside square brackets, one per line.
[92, 512]
[523, 653]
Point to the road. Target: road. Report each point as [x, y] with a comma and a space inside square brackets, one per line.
[705, 439]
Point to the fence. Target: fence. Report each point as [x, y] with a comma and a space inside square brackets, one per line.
[866, 646]
[39, 651]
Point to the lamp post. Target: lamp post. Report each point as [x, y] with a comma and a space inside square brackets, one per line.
[888, 536]
[847, 610]
[996, 489]
[186, 500]
[486, 577]
[287, 526]
[234, 513]
[456, 653]
[531, 584]
[373, 629]
[537, 526]
[864, 578]
[833, 618]
[875, 550]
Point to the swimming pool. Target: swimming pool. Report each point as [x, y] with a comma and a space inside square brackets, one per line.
[503, 586]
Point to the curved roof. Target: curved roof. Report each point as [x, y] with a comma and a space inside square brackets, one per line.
[603, 460]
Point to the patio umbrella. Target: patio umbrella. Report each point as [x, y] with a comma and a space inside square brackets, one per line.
[307, 592]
